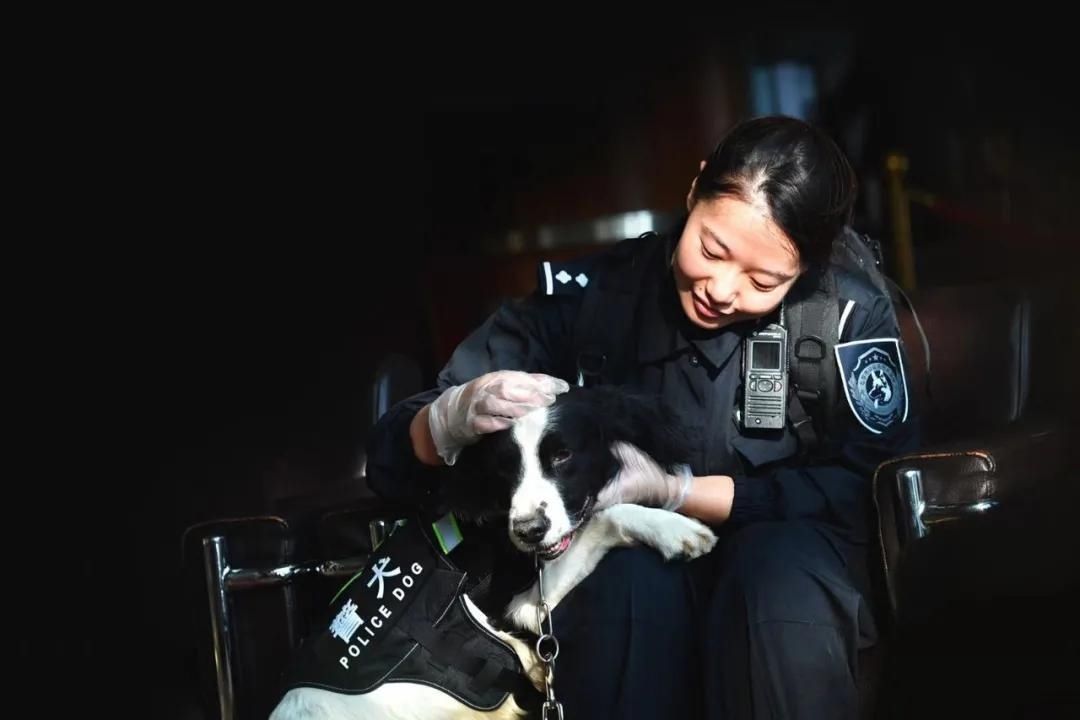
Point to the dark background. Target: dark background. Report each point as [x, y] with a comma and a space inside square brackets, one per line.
[289, 203]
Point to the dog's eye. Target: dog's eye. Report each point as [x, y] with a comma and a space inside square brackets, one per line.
[560, 457]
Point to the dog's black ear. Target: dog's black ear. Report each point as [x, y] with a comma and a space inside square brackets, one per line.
[479, 484]
[644, 421]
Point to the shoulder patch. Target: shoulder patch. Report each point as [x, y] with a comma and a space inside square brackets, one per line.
[874, 382]
[555, 278]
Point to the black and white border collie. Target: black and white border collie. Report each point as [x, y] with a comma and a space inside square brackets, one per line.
[541, 477]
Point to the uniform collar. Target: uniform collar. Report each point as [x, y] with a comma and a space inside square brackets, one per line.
[718, 347]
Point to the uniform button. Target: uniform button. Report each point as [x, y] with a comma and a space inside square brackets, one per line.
[694, 360]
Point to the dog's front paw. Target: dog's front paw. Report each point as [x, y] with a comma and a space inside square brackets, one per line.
[678, 536]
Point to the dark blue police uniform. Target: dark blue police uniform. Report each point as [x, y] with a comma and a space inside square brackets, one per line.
[767, 625]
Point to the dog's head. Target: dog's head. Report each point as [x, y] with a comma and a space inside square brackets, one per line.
[543, 474]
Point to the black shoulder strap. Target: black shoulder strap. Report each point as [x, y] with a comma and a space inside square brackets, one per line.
[483, 671]
[607, 311]
[812, 318]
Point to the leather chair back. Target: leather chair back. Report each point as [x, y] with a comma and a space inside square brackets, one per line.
[979, 340]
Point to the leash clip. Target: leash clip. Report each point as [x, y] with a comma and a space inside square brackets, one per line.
[552, 711]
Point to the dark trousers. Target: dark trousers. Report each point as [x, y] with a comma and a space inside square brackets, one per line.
[767, 626]
[628, 641]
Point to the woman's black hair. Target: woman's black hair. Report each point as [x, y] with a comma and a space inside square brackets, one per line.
[797, 171]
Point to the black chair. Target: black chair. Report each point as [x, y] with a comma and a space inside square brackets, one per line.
[253, 584]
[973, 526]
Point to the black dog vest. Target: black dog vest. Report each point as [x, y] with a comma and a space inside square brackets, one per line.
[403, 619]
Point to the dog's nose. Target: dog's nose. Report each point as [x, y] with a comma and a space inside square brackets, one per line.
[531, 529]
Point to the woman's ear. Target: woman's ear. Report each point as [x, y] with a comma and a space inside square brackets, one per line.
[693, 187]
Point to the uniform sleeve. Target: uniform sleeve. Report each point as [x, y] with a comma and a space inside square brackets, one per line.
[836, 490]
[527, 334]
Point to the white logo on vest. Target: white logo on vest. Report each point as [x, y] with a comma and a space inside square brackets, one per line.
[379, 572]
[357, 632]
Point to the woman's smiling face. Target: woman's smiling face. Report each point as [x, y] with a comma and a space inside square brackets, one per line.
[732, 263]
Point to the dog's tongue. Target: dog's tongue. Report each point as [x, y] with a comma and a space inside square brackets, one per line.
[564, 543]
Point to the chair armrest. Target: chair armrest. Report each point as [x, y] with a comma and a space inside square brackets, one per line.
[953, 482]
[1009, 460]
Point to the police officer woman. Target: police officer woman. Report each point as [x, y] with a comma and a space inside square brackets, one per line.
[769, 624]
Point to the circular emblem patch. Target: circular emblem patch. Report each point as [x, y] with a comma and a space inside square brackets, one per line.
[874, 383]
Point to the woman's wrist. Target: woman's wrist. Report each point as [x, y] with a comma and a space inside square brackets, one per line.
[709, 498]
[422, 443]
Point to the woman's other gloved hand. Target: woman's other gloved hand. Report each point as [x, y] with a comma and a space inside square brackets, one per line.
[641, 481]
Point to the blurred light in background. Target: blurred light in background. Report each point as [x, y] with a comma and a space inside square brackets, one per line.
[785, 88]
[602, 230]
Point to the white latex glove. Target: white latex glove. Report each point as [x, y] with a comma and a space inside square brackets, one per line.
[489, 403]
[641, 481]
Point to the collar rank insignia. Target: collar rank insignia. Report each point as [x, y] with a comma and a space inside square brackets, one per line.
[569, 278]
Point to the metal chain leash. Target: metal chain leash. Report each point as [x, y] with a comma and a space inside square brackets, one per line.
[552, 709]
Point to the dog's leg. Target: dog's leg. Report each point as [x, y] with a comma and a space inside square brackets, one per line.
[671, 534]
